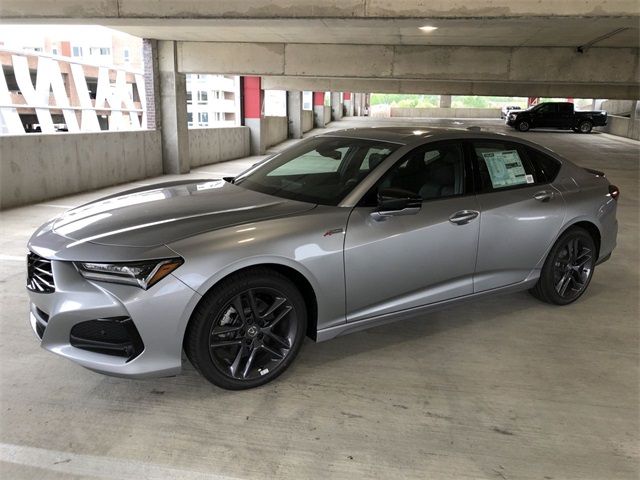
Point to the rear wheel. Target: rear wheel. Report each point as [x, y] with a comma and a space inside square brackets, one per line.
[585, 126]
[568, 268]
[523, 125]
[247, 330]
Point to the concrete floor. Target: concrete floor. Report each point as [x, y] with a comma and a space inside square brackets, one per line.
[505, 388]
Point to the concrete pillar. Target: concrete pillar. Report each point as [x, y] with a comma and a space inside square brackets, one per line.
[173, 111]
[252, 107]
[445, 101]
[634, 121]
[336, 106]
[294, 113]
[348, 104]
[318, 110]
[357, 104]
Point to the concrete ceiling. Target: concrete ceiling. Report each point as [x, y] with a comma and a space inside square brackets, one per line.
[512, 32]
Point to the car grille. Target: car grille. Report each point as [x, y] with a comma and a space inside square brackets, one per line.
[39, 274]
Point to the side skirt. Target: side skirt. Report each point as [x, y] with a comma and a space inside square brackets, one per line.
[411, 313]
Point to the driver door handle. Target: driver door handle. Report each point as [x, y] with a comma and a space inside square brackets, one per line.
[463, 217]
[543, 196]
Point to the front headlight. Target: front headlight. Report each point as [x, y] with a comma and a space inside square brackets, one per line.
[141, 274]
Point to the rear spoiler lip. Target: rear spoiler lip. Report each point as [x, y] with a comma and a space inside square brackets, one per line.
[597, 173]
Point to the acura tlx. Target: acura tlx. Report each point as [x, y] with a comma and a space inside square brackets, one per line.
[341, 232]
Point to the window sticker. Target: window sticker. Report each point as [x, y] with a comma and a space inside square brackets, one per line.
[506, 169]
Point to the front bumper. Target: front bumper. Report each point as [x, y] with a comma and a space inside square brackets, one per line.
[158, 315]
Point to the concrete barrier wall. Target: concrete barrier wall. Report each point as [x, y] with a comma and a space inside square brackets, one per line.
[622, 126]
[617, 107]
[380, 111]
[438, 112]
[38, 167]
[275, 130]
[212, 145]
[307, 120]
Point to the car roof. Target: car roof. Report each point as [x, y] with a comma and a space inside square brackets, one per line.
[416, 134]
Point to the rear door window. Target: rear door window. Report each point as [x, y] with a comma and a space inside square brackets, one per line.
[502, 165]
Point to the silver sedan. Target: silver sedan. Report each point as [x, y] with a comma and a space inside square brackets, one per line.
[339, 233]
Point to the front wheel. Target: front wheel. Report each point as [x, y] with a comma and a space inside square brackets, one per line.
[247, 330]
[568, 268]
[523, 126]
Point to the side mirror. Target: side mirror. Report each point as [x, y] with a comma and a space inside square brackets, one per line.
[394, 202]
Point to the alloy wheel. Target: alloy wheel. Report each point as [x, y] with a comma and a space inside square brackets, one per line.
[573, 267]
[253, 334]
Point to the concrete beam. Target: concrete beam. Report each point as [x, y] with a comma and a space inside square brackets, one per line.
[236, 58]
[559, 65]
[452, 87]
[122, 9]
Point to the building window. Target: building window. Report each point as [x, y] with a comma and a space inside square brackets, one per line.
[54, 51]
[189, 96]
[203, 119]
[102, 51]
[126, 56]
[190, 118]
[77, 51]
[202, 96]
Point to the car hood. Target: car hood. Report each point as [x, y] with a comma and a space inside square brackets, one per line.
[164, 213]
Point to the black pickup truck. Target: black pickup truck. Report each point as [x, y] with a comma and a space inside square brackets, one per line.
[556, 115]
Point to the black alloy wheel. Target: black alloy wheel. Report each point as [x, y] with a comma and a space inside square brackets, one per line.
[253, 334]
[568, 269]
[247, 330]
[523, 126]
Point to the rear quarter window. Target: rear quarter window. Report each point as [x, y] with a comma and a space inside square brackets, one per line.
[546, 167]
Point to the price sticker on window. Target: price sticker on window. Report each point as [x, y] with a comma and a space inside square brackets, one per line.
[506, 169]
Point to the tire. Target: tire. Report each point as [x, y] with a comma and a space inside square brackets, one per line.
[585, 126]
[562, 281]
[523, 126]
[235, 350]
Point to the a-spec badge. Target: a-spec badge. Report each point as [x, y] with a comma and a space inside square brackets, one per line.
[333, 231]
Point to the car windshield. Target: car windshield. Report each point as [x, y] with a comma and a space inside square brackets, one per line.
[320, 170]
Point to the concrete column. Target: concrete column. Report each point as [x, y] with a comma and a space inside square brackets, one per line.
[294, 112]
[357, 104]
[318, 110]
[336, 106]
[348, 104]
[634, 121]
[445, 101]
[173, 111]
[252, 107]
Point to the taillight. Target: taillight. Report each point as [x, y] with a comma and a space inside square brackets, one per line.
[614, 192]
